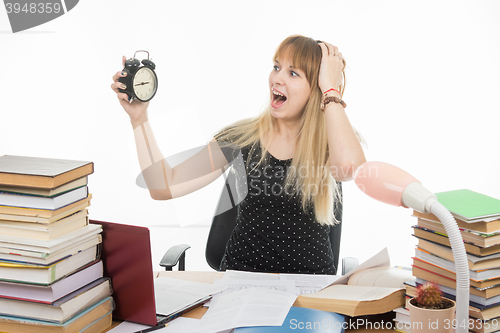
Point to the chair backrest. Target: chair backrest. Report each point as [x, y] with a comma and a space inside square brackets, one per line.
[224, 223]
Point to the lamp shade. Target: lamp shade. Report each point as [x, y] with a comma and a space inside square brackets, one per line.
[383, 182]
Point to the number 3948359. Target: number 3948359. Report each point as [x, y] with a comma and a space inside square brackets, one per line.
[33, 8]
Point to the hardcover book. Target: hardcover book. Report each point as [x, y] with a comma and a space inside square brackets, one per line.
[41, 274]
[443, 239]
[42, 215]
[46, 192]
[468, 205]
[470, 236]
[40, 172]
[62, 309]
[50, 293]
[45, 231]
[96, 318]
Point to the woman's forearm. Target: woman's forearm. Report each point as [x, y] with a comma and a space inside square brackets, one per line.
[165, 182]
[155, 170]
[346, 153]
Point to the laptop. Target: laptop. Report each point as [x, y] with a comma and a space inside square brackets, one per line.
[126, 255]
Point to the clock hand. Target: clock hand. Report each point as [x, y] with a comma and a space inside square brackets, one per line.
[141, 84]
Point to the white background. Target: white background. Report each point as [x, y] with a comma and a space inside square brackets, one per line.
[422, 87]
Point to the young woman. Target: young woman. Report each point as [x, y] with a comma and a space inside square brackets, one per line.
[292, 157]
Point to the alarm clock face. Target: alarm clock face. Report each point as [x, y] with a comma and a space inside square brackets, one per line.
[144, 84]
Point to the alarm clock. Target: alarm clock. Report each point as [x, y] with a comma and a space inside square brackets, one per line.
[141, 81]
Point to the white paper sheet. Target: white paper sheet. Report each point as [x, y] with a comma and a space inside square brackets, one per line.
[236, 285]
[242, 275]
[248, 307]
[309, 283]
[304, 283]
[172, 295]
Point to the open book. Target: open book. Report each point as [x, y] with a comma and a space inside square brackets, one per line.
[368, 291]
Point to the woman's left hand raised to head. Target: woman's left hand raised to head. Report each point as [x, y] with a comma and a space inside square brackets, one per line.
[332, 64]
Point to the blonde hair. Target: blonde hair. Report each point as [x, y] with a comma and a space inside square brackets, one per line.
[317, 188]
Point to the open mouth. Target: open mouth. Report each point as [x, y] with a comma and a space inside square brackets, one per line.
[278, 98]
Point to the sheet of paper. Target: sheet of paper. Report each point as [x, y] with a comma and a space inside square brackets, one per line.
[304, 283]
[235, 285]
[309, 283]
[248, 307]
[378, 260]
[242, 275]
[127, 327]
[239, 280]
[172, 295]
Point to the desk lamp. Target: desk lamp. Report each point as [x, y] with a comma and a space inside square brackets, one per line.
[394, 186]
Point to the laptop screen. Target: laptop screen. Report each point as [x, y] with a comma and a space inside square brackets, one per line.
[126, 255]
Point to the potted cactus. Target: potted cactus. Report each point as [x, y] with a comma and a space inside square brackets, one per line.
[430, 311]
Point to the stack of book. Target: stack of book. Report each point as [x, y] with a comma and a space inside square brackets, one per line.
[478, 218]
[51, 276]
[401, 321]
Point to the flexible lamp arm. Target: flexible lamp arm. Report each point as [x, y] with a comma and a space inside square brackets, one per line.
[394, 186]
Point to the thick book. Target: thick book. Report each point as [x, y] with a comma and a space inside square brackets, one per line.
[40, 274]
[402, 322]
[50, 293]
[368, 292]
[481, 226]
[303, 319]
[469, 236]
[62, 309]
[475, 263]
[444, 240]
[83, 181]
[468, 205]
[49, 256]
[30, 244]
[478, 279]
[96, 318]
[45, 231]
[452, 283]
[41, 172]
[450, 273]
[38, 202]
[42, 215]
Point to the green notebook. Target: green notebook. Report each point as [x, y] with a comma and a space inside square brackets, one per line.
[468, 205]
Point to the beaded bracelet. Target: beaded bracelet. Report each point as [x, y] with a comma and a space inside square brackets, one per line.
[329, 99]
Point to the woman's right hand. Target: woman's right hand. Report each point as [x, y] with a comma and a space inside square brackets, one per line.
[136, 110]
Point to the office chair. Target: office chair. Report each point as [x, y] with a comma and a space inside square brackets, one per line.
[224, 223]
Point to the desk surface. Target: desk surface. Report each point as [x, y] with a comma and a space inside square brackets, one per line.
[208, 277]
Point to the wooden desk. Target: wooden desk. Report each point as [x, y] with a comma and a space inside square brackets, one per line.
[209, 276]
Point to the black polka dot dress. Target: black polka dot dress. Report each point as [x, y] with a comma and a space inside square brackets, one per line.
[273, 233]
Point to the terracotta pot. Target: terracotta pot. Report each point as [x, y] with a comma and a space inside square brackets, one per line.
[431, 320]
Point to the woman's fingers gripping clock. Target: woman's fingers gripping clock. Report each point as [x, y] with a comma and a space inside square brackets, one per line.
[135, 109]
[116, 84]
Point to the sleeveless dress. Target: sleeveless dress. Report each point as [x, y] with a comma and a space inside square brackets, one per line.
[272, 232]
